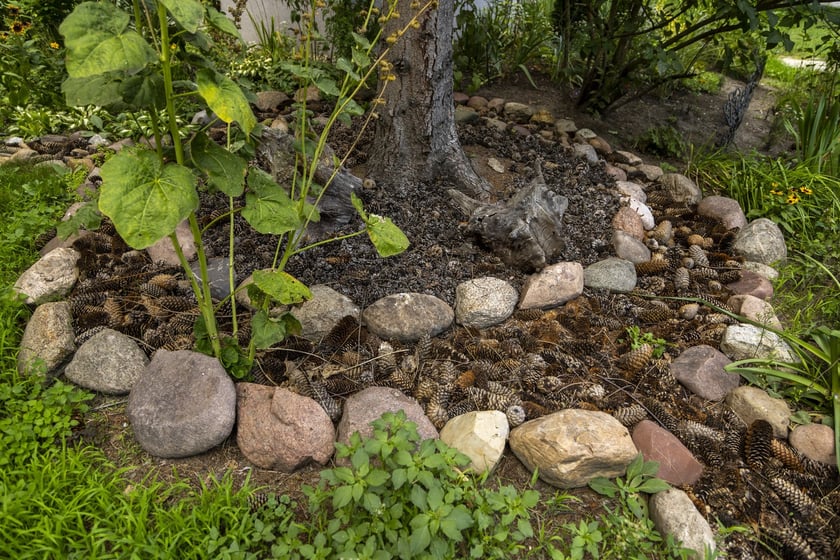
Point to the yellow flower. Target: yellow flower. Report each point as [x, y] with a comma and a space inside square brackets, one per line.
[792, 198]
[53, 45]
[805, 190]
[774, 184]
[777, 193]
[19, 28]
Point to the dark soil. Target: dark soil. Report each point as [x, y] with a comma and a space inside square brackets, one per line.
[441, 256]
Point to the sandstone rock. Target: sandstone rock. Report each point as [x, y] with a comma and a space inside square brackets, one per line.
[271, 100]
[756, 309]
[519, 113]
[480, 435]
[477, 102]
[164, 252]
[320, 314]
[109, 362]
[615, 172]
[630, 248]
[629, 221]
[48, 338]
[752, 403]
[585, 151]
[465, 115]
[571, 447]
[483, 302]
[681, 188]
[815, 441]
[362, 408]
[648, 172]
[676, 463]
[566, 126]
[762, 241]
[631, 190]
[542, 117]
[495, 124]
[752, 283]
[552, 286]
[584, 135]
[743, 341]
[497, 105]
[23, 154]
[281, 430]
[723, 209]
[460, 97]
[601, 146]
[628, 158]
[613, 274]
[183, 404]
[673, 513]
[700, 370]
[408, 316]
[50, 278]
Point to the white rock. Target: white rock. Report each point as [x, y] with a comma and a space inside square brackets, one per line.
[483, 302]
[673, 513]
[631, 189]
[480, 435]
[644, 213]
[51, 278]
[743, 341]
[552, 286]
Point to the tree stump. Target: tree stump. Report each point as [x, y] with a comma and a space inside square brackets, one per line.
[526, 230]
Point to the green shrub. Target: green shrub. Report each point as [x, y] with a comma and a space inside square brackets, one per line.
[402, 498]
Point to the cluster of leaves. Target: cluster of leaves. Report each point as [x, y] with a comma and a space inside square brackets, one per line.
[495, 40]
[636, 338]
[403, 498]
[36, 415]
[663, 140]
[30, 56]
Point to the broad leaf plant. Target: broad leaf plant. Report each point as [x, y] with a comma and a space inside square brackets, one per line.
[129, 60]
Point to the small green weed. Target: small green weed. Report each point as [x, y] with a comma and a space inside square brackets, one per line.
[663, 141]
[636, 338]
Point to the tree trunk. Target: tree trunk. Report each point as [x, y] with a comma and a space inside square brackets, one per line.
[415, 137]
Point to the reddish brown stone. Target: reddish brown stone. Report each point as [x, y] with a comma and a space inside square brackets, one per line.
[753, 284]
[676, 463]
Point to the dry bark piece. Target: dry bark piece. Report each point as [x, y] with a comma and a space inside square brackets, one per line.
[526, 230]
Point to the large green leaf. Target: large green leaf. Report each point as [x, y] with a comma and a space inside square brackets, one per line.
[225, 98]
[188, 13]
[144, 91]
[102, 90]
[267, 207]
[281, 286]
[98, 40]
[222, 23]
[145, 198]
[226, 171]
[266, 331]
[388, 239]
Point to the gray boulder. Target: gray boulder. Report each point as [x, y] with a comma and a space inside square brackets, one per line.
[673, 513]
[761, 241]
[109, 362]
[183, 404]
[320, 314]
[681, 188]
[483, 302]
[615, 275]
[48, 339]
[370, 404]
[407, 317]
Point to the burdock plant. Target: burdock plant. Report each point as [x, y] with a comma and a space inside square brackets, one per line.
[117, 58]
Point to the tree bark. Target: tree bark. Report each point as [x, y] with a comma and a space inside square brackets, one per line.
[415, 137]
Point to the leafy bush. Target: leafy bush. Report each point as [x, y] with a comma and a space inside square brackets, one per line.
[402, 498]
[817, 132]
